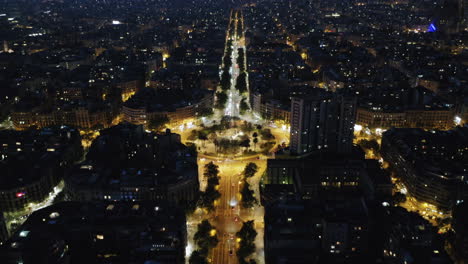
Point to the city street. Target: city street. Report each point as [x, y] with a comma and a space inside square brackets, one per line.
[228, 215]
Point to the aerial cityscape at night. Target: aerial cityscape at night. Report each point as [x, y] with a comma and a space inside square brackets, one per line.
[233, 131]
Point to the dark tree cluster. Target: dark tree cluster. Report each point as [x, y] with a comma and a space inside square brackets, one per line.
[241, 59]
[243, 106]
[250, 170]
[247, 236]
[211, 193]
[158, 123]
[241, 82]
[248, 195]
[240, 27]
[221, 99]
[205, 240]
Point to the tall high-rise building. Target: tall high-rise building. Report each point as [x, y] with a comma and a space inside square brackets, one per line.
[322, 121]
[451, 16]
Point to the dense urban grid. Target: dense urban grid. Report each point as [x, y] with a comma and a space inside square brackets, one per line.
[233, 131]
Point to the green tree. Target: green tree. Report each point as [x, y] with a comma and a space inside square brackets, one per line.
[245, 143]
[241, 59]
[247, 127]
[225, 80]
[240, 28]
[255, 140]
[198, 258]
[250, 170]
[211, 170]
[221, 99]
[247, 231]
[247, 235]
[203, 137]
[369, 144]
[241, 82]
[243, 106]
[211, 193]
[248, 198]
[205, 112]
[204, 237]
[266, 134]
[227, 60]
[399, 198]
[158, 122]
[193, 135]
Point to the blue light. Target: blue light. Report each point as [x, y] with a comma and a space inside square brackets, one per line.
[432, 28]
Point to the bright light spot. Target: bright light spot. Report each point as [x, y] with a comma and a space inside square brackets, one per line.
[24, 233]
[403, 190]
[233, 202]
[212, 232]
[357, 128]
[116, 22]
[54, 215]
[188, 249]
[379, 131]
[385, 204]
[457, 120]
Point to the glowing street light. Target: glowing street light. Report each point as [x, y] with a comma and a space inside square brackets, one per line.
[457, 120]
[357, 128]
[212, 232]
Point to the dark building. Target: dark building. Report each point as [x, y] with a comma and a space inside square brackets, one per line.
[3, 230]
[125, 163]
[293, 230]
[33, 162]
[100, 232]
[460, 229]
[322, 121]
[450, 16]
[350, 230]
[432, 168]
[320, 175]
[326, 231]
